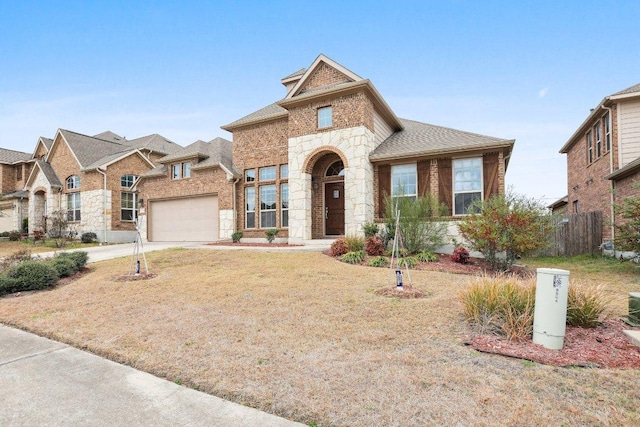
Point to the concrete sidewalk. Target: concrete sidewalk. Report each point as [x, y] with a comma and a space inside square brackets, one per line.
[44, 382]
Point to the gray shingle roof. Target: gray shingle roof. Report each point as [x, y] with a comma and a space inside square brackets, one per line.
[632, 89]
[268, 112]
[158, 171]
[90, 150]
[49, 173]
[156, 143]
[418, 139]
[109, 136]
[17, 195]
[12, 156]
[48, 142]
[298, 73]
[209, 154]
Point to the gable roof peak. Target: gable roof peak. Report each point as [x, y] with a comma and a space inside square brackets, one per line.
[308, 73]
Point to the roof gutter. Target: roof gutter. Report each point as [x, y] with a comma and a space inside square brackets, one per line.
[383, 157]
[611, 186]
[104, 202]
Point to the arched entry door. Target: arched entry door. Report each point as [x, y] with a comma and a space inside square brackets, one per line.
[327, 176]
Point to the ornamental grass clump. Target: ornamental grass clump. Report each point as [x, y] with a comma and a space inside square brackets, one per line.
[586, 306]
[379, 261]
[501, 305]
[355, 257]
[354, 243]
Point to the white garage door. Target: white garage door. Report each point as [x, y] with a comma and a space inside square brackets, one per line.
[6, 219]
[192, 219]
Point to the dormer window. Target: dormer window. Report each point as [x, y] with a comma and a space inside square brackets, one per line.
[181, 170]
[73, 182]
[325, 117]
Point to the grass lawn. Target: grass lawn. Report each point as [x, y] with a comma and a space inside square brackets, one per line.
[303, 336]
[8, 247]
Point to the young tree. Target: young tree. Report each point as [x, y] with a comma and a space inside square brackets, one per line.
[421, 225]
[628, 233]
[505, 227]
[58, 227]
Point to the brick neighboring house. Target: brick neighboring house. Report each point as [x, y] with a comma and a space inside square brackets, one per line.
[317, 163]
[603, 158]
[89, 177]
[14, 169]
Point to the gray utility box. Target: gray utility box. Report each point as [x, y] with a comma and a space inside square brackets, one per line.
[634, 308]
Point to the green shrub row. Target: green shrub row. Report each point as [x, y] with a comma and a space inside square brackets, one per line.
[33, 275]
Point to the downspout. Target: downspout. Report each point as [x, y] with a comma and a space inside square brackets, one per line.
[235, 205]
[104, 203]
[611, 188]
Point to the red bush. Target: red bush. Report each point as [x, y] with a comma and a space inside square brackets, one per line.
[374, 246]
[460, 255]
[339, 247]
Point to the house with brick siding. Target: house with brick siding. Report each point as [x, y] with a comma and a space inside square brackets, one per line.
[603, 158]
[90, 178]
[316, 164]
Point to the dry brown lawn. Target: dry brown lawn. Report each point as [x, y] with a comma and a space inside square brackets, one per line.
[303, 336]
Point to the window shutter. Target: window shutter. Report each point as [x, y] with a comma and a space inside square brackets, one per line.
[445, 184]
[384, 187]
[490, 168]
[424, 180]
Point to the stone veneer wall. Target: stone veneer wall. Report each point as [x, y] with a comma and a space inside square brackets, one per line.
[355, 144]
[225, 228]
[92, 209]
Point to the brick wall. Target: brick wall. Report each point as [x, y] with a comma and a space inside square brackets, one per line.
[625, 188]
[324, 75]
[585, 181]
[256, 146]
[348, 111]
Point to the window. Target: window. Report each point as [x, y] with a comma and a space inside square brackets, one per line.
[589, 148]
[180, 170]
[607, 132]
[73, 182]
[128, 210]
[575, 206]
[284, 171]
[404, 181]
[284, 205]
[127, 181]
[250, 175]
[268, 173]
[18, 172]
[250, 207]
[336, 169]
[267, 206]
[73, 207]
[598, 140]
[325, 117]
[176, 171]
[467, 184]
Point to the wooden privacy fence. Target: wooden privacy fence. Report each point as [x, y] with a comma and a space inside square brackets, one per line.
[575, 234]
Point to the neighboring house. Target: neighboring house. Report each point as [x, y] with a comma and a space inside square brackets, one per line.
[560, 206]
[317, 164]
[89, 178]
[14, 169]
[603, 158]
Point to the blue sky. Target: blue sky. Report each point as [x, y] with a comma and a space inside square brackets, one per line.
[528, 71]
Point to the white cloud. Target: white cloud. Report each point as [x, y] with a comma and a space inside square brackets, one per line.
[543, 92]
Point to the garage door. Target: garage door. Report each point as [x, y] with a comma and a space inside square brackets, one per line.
[6, 219]
[192, 219]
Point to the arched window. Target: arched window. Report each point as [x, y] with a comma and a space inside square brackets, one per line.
[336, 169]
[73, 182]
[127, 181]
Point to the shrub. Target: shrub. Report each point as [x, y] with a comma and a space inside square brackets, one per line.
[370, 229]
[38, 235]
[79, 257]
[460, 255]
[408, 262]
[64, 266]
[31, 275]
[509, 224]
[500, 305]
[355, 257]
[88, 237]
[8, 285]
[235, 237]
[354, 243]
[425, 256]
[4, 234]
[628, 231]
[339, 247]
[14, 235]
[585, 306]
[379, 261]
[421, 225]
[271, 234]
[374, 246]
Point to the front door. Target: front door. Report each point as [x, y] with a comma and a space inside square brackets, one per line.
[334, 208]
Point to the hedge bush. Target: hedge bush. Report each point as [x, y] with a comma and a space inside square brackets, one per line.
[339, 247]
[374, 245]
[355, 257]
[79, 257]
[32, 275]
[65, 266]
[8, 285]
[88, 237]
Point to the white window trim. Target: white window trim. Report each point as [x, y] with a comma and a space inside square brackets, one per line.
[134, 209]
[275, 207]
[453, 184]
[264, 169]
[246, 211]
[404, 194]
[73, 182]
[76, 207]
[323, 119]
[282, 208]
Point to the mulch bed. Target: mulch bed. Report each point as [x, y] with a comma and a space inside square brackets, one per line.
[408, 292]
[602, 347]
[134, 278]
